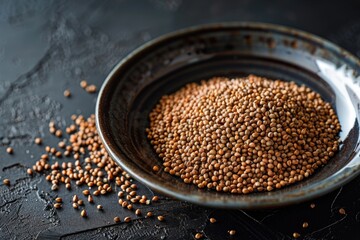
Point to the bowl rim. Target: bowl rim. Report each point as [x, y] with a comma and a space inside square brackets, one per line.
[295, 196]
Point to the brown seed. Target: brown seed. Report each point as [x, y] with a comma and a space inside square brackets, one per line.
[156, 168]
[161, 218]
[10, 150]
[75, 205]
[149, 214]
[68, 186]
[198, 236]
[117, 219]
[54, 187]
[58, 200]
[29, 171]
[342, 211]
[127, 219]
[232, 232]
[6, 182]
[57, 205]
[99, 207]
[58, 133]
[90, 199]
[296, 235]
[83, 84]
[67, 93]
[138, 212]
[155, 198]
[212, 220]
[312, 205]
[86, 192]
[80, 202]
[91, 88]
[305, 224]
[38, 141]
[75, 198]
[83, 213]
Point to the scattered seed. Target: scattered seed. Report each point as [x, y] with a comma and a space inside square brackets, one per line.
[99, 207]
[305, 225]
[75, 205]
[86, 192]
[117, 219]
[149, 214]
[312, 205]
[198, 236]
[156, 168]
[67, 93]
[212, 220]
[155, 198]
[232, 232]
[161, 218]
[296, 235]
[90, 199]
[91, 88]
[58, 133]
[80, 202]
[138, 212]
[342, 211]
[57, 205]
[29, 171]
[6, 182]
[83, 84]
[127, 219]
[83, 213]
[58, 200]
[38, 141]
[75, 198]
[54, 187]
[10, 150]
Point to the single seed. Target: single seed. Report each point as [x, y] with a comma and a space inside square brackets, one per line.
[75, 198]
[305, 224]
[83, 213]
[212, 220]
[58, 200]
[127, 219]
[342, 211]
[83, 84]
[296, 235]
[161, 218]
[232, 232]
[117, 219]
[90, 199]
[38, 141]
[198, 236]
[10, 150]
[138, 212]
[54, 187]
[155, 198]
[156, 168]
[68, 186]
[312, 205]
[57, 205]
[80, 202]
[75, 205]
[149, 214]
[58, 133]
[99, 207]
[29, 171]
[6, 182]
[86, 192]
[67, 93]
[91, 88]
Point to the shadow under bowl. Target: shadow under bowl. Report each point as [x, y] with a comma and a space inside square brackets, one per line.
[167, 63]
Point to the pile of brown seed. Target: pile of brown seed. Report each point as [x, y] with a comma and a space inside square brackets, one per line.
[243, 135]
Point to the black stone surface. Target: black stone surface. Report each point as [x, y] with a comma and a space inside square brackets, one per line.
[49, 46]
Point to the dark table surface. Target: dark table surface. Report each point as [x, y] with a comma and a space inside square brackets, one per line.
[49, 46]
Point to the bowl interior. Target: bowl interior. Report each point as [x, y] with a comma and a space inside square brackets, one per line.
[232, 50]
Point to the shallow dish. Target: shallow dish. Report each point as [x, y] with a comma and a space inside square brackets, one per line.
[165, 64]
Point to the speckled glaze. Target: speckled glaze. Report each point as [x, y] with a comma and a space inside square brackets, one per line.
[165, 64]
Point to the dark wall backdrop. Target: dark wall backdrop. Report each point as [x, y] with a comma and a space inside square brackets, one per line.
[48, 46]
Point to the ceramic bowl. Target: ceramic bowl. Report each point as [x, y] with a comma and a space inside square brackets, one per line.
[167, 63]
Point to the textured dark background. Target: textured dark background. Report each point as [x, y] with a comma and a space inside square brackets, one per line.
[48, 46]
